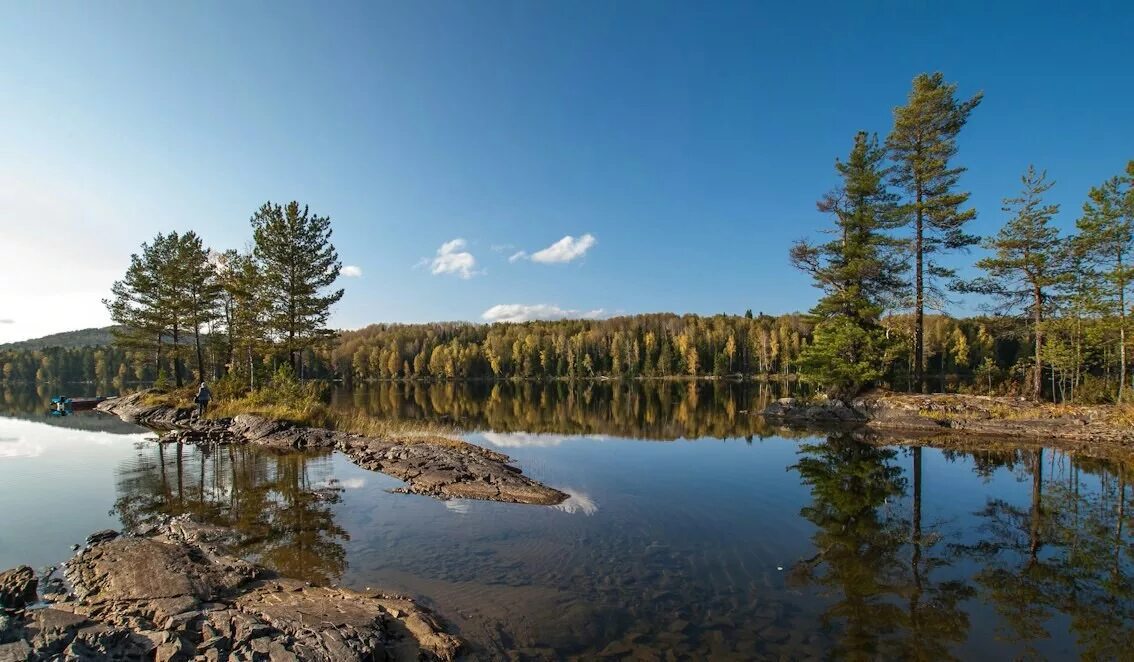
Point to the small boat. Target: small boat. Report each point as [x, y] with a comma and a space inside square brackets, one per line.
[62, 405]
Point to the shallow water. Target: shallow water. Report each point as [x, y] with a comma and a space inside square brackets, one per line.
[696, 545]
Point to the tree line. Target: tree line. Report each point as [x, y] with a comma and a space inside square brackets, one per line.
[231, 313]
[1055, 325]
[899, 208]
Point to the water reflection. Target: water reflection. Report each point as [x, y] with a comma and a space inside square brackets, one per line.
[893, 595]
[282, 503]
[886, 552]
[653, 409]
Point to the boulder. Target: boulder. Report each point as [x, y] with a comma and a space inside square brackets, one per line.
[18, 587]
[178, 595]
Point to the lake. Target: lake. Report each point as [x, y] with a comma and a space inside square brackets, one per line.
[693, 529]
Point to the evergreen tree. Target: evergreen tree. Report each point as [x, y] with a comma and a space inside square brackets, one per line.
[196, 289]
[859, 272]
[298, 263]
[242, 311]
[922, 144]
[1029, 263]
[142, 304]
[1106, 238]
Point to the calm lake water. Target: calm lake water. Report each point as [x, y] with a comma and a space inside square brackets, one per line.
[692, 530]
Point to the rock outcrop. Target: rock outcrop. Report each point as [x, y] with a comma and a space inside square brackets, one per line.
[436, 467]
[951, 414]
[17, 588]
[177, 595]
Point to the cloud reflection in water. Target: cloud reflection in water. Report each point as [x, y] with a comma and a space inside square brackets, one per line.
[577, 502]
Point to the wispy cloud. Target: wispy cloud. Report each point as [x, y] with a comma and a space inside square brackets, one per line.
[452, 258]
[565, 250]
[7, 321]
[351, 271]
[519, 312]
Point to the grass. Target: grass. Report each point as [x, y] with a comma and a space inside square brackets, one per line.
[286, 399]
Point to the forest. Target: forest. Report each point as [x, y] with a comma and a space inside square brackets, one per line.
[1054, 323]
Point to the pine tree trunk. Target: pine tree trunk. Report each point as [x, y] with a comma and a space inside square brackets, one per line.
[1037, 382]
[177, 356]
[919, 295]
[1121, 330]
[200, 355]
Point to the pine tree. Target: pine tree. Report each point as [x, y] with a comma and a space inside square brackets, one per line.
[1029, 265]
[243, 312]
[859, 272]
[143, 304]
[1106, 239]
[298, 263]
[922, 143]
[192, 276]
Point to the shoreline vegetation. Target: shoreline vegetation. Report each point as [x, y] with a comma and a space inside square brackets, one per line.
[950, 420]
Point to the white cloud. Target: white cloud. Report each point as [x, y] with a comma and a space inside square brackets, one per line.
[351, 271]
[518, 255]
[453, 259]
[566, 249]
[519, 312]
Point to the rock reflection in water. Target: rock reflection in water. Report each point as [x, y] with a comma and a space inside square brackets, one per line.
[282, 503]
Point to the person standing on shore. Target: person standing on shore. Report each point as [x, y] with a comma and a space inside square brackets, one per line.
[202, 399]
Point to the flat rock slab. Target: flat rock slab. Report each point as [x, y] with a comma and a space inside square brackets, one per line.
[440, 468]
[172, 596]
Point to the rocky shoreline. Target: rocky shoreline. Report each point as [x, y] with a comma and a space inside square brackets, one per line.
[442, 470]
[174, 593]
[955, 416]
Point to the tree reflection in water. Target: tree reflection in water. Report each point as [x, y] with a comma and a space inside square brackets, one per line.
[652, 409]
[896, 588]
[1068, 551]
[888, 580]
[278, 501]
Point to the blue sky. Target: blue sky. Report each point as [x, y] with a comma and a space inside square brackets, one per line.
[690, 140]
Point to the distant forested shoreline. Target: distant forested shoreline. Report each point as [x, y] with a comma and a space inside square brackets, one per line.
[980, 354]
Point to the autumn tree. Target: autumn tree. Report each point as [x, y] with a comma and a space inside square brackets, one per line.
[923, 143]
[298, 264]
[1029, 263]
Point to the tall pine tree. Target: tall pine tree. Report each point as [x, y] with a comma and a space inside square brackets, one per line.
[922, 144]
[1106, 238]
[141, 304]
[297, 263]
[1030, 262]
[859, 271]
